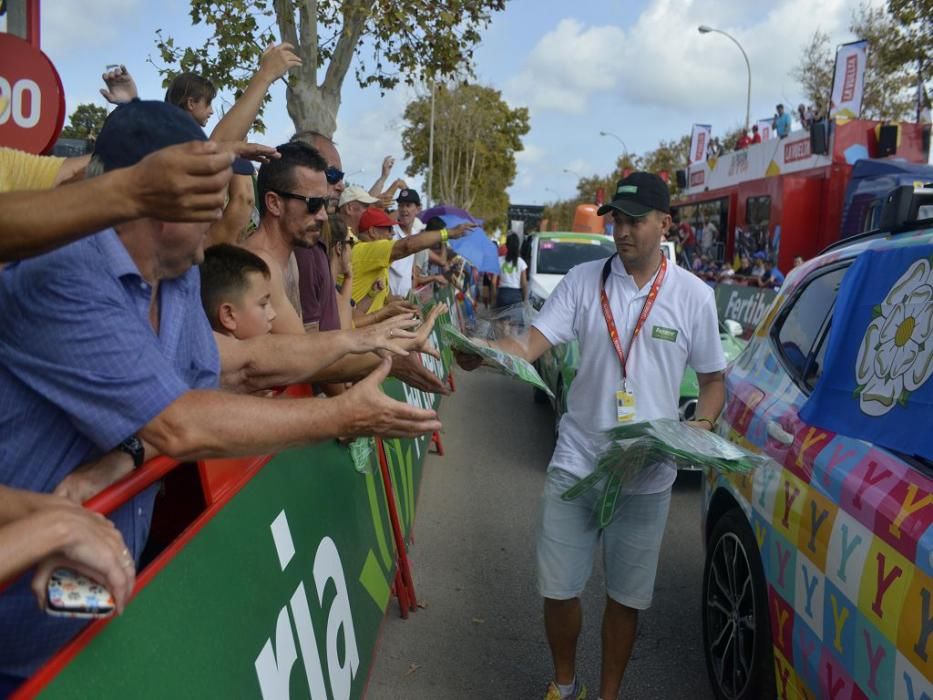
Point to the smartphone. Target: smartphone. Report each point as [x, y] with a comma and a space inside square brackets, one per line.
[70, 594]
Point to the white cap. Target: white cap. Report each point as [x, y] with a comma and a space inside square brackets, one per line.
[355, 193]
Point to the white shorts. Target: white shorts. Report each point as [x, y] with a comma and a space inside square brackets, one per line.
[568, 534]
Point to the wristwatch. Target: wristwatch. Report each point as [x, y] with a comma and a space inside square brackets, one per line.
[133, 446]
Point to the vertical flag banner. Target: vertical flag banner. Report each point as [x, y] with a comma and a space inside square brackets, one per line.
[849, 80]
[764, 128]
[699, 140]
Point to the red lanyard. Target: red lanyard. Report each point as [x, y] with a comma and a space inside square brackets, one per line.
[642, 317]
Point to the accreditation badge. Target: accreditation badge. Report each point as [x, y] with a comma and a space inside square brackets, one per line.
[625, 404]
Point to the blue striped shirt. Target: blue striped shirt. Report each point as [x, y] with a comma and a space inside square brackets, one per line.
[81, 370]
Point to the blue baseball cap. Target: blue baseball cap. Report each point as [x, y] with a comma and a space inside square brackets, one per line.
[135, 129]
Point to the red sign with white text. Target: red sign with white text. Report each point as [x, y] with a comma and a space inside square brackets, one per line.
[32, 100]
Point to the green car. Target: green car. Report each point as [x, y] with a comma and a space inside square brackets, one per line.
[558, 367]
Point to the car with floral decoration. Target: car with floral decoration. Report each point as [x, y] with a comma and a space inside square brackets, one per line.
[818, 577]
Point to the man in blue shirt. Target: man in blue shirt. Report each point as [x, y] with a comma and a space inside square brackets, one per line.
[781, 122]
[105, 350]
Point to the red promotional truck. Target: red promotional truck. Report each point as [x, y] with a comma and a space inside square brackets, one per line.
[794, 196]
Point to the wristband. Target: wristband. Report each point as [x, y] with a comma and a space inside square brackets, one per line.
[444, 235]
[712, 425]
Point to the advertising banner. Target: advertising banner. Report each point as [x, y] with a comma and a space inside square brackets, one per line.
[764, 128]
[699, 140]
[849, 80]
[277, 592]
[767, 159]
[747, 305]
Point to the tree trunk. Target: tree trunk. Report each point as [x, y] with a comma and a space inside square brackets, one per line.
[313, 109]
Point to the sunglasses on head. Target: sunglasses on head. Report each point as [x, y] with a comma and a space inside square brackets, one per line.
[314, 204]
[333, 175]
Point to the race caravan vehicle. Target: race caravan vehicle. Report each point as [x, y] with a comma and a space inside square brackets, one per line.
[794, 196]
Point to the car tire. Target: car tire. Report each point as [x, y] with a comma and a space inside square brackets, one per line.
[736, 623]
[539, 395]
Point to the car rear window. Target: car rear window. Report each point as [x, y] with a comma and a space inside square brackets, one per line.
[556, 256]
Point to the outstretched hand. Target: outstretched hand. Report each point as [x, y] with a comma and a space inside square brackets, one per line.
[277, 60]
[387, 164]
[185, 182]
[460, 230]
[121, 88]
[371, 412]
[393, 336]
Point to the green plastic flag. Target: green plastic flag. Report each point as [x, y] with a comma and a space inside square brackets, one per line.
[637, 447]
[495, 359]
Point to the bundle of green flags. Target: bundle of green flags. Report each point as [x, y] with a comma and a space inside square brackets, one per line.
[495, 359]
[636, 447]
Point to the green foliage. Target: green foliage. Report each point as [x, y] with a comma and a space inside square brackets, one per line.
[669, 156]
[393, 41]
[899, 39]
[85, 122]
[476, 136]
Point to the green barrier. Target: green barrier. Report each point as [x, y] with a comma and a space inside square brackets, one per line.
[280, 594]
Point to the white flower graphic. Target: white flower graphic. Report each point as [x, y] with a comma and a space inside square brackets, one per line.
[896, 355]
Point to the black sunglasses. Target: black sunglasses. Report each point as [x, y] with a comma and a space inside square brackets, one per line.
[333, 175]
[314, 204]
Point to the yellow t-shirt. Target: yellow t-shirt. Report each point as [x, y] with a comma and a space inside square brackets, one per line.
[371, 260]
[24, 171]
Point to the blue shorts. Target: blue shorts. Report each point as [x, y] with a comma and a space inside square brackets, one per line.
[568, 534]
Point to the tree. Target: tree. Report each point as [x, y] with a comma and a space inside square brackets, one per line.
[403, 41]
[897, 41]
[85, 122]
[669, 157]
[476, 136]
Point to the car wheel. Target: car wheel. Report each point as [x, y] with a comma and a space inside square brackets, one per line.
[736, 626]
[539, 396]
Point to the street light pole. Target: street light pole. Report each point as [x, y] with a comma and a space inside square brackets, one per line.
[617, 138]
[431, 150]
[703, 29]
[574, 173]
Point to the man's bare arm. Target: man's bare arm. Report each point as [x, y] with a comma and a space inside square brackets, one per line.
[232, 226]
[236, 123]
[202, 424]
[180, 183]
[710, 400]
[529, 345]
[280, 359]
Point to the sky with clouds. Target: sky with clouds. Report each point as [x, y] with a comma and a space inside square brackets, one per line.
[638, 69]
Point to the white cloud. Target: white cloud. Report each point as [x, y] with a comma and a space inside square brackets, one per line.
[663, 61]
[365, 138]
[566, 66]
[530, 155]
[67, 26]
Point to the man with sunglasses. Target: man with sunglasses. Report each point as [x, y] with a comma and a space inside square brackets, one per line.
[316, 287]
[292, 195]
[292, 201]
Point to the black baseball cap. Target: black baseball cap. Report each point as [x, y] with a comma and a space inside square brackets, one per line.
[135, 129]
[410, 196]
[638, 195]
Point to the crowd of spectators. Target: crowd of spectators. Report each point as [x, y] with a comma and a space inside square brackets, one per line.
[151, 303]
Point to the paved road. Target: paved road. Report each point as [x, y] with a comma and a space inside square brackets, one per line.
[480, 634]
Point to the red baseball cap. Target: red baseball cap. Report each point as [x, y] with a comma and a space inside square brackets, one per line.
[375, 218]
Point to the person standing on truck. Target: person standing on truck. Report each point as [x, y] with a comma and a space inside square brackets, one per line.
[781, 122]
